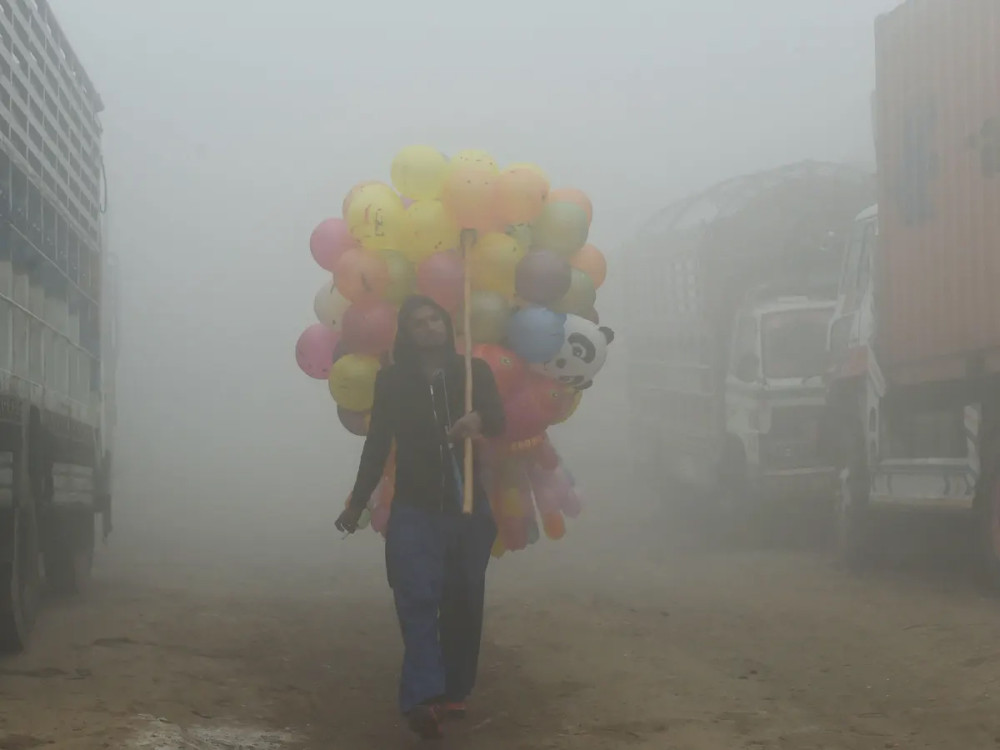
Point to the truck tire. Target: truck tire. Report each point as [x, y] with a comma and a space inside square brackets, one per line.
[988, 513]
[19, 573]
[69, 557]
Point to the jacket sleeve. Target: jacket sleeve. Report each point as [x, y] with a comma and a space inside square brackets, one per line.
[486, 399]
[378, 443]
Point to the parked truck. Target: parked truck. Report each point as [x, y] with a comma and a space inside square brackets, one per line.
[56, 328]
[731, 292]
[915, 340]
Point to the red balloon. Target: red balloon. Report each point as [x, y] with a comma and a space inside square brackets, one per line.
[508, 369]
[369, 328]
[442, 278]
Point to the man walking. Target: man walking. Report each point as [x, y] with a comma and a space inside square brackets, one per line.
[436, 556]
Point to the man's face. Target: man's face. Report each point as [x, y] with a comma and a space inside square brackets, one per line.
[427, 328]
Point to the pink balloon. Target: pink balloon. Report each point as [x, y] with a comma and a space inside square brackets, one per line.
[369, 328]
[329, 241]
[314, 351]
[442, 278]
[407, 202]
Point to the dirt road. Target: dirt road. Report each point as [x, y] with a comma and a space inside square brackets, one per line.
[268, 632]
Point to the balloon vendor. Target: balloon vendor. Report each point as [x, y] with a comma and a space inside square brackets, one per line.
[508, 260]
[436, 555]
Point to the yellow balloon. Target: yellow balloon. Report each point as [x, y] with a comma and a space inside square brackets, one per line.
[352, 381]
[427, 229]
[375, 217]
[472, 157]
[418, 172]
[493, 263]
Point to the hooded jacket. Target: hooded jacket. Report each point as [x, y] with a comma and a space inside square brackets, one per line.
[417, 414]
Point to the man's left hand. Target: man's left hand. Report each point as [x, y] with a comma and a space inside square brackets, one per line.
[469, 427]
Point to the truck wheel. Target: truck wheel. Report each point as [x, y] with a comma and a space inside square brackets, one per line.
[19, 571]
[70, 554]
[855, 527]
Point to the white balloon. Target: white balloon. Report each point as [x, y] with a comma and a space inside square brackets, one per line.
[330, 306]
[583, 353]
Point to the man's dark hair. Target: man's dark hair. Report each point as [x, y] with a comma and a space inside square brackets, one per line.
[404, 353]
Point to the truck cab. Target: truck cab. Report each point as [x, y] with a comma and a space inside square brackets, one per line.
[775, 398]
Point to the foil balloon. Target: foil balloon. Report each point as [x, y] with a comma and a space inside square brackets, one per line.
[509, 370]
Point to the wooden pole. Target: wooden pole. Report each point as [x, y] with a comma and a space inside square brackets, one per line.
[468, 239]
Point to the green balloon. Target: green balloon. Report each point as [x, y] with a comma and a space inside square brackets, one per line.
[580, 298]
[402, 277]
[488, 317]
[561, 227]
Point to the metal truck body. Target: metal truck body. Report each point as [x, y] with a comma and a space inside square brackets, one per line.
[915, 340]
[723, 282]
[55, 435]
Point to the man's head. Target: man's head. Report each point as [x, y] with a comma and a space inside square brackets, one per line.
[426, 327]
[423, 326]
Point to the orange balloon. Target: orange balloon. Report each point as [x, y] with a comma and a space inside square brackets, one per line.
[469, 195]
[521, 194]
[572, 195]
[591, 261]
[362, 276]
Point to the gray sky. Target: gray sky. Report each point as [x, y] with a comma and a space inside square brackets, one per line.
[232, 128]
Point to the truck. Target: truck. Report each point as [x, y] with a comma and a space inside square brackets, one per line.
[915, 339]
[57, 333]
[730, 296]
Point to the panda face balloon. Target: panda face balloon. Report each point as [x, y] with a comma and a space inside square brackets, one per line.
[583, 353]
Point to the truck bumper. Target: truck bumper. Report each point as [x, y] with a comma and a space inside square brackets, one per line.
[814, 484]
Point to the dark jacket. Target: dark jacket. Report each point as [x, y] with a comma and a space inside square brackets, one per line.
[405, 410]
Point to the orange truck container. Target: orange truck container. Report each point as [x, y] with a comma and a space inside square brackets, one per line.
[937, 124]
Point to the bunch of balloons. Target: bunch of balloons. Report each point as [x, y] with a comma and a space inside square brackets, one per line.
[532, 317]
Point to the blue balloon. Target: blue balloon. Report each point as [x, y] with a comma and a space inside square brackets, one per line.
[536, 334]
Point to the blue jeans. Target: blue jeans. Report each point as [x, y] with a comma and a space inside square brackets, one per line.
[436, 564]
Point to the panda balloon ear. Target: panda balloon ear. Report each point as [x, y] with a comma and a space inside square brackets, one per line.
[608, 333]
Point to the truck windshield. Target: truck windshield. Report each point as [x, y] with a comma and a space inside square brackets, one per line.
[794, 343]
